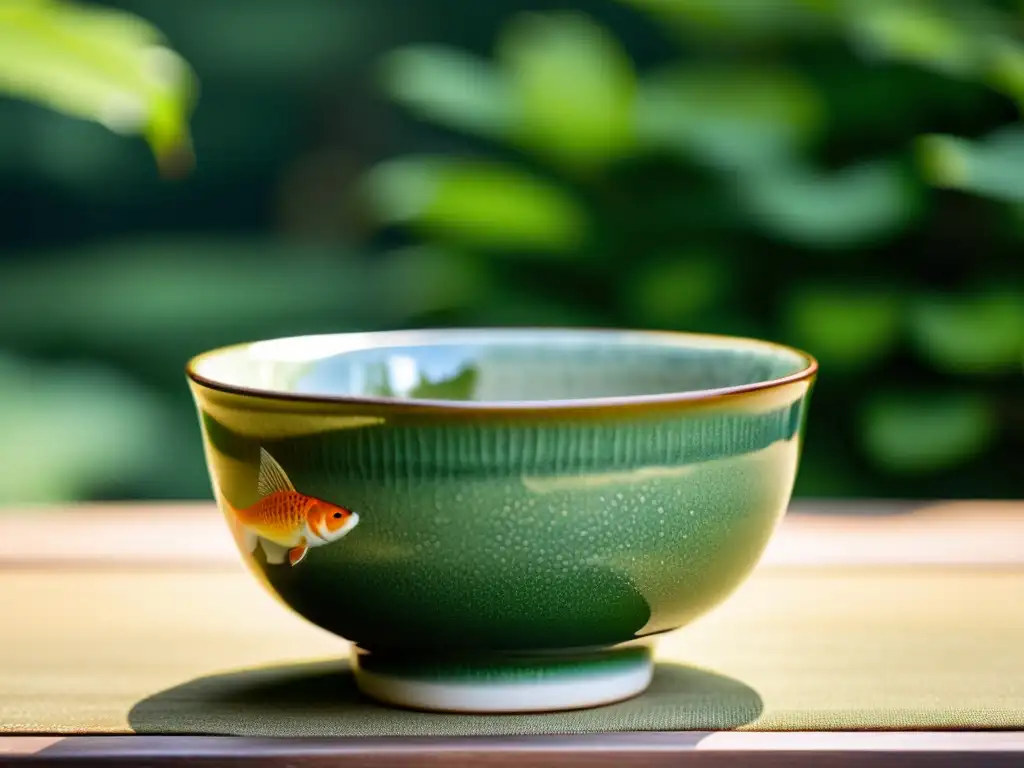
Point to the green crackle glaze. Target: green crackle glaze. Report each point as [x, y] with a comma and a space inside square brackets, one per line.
[485, 527]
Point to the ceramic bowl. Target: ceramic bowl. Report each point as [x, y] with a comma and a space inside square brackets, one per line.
[502, 520]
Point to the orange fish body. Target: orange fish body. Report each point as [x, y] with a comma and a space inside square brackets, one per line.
[286, 521]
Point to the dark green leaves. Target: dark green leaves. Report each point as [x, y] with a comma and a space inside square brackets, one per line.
[718, 189]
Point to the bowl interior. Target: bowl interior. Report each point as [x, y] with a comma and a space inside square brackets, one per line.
[498, 365]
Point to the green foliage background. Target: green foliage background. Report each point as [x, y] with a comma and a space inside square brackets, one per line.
[846, 176]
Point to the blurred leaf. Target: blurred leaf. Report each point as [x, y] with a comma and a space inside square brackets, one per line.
[858, 205]
[1005, 71]
[924, 432]
[844, 328]
[71, 430]
[171, 297]
[432, 279]
[990, 167]
[450, 87]
[477, 203]
[915, 32]
[970, 334]
[730, 118]
[80, 156]
[670, 293]
[102, 65]
[573, 87]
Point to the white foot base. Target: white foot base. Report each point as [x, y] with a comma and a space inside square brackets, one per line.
[537, 684]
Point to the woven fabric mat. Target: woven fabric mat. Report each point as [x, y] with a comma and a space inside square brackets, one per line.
[208, 652]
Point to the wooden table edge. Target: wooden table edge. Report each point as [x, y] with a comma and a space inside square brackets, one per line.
[692, 748]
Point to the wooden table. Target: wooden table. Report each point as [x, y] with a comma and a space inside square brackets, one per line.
[72, 580]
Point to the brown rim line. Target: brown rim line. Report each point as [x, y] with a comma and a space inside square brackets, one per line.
[428, 336]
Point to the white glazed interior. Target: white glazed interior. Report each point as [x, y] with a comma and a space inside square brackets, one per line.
[499, 365]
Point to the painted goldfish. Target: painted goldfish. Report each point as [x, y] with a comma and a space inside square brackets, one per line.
[286, 522]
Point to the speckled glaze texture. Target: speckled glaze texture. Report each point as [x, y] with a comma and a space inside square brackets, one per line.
[494, 532]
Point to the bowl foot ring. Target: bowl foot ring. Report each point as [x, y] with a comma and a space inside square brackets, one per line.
[506, 684]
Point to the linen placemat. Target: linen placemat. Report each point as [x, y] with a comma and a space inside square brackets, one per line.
[173, 651]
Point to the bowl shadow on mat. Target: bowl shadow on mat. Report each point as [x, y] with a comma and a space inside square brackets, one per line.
[321, 699]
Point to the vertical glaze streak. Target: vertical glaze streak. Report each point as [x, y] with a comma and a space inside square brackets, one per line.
[400, 468]
[407, 454]
[365, 454]
[421, 450]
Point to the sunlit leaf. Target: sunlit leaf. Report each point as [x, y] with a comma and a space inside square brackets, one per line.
[845, 328]
[925, 432]
[1005, 69]
[479, 203]
[970, 334]
[731, 117]
[918, 33]
[573, 87]
[450, 87]
[990, 167]
[857, 205]
[101, 65]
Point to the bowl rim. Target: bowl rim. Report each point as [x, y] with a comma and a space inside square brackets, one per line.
[427, 336]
